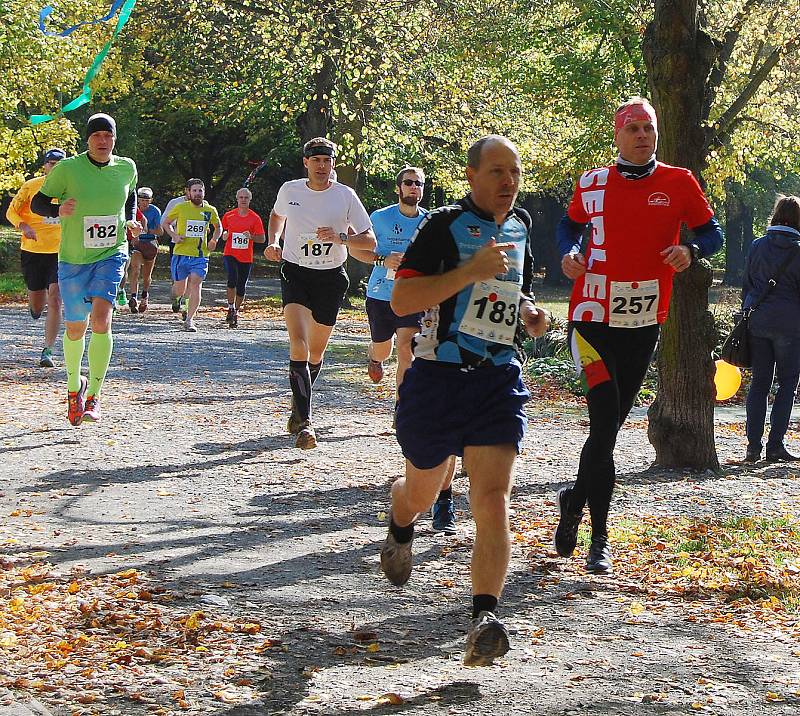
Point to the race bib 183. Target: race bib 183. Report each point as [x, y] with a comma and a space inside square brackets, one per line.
[633, 304]
[491, 312]
[100, 232]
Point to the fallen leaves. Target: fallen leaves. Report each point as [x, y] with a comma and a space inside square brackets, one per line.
[741, 572]
[97, 636]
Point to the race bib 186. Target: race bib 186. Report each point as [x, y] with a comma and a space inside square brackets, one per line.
[100, 232]
[239, 241]
[314, 252]
[633, 304]
[491, 312]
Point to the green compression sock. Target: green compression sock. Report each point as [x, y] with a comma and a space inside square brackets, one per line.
[73, 357]
[100, 347]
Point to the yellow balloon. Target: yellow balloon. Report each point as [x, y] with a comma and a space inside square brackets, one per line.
[727, 380]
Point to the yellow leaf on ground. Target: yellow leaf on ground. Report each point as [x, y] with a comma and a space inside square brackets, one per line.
[636, 608]
[391, 698]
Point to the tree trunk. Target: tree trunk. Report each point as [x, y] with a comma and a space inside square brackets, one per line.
[734, 246]
[681, 420]
[546, 210]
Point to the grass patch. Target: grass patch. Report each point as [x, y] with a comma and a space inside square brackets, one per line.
[12, 287]
[755, 559]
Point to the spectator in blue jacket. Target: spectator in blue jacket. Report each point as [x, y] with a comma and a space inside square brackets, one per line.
[774, 329]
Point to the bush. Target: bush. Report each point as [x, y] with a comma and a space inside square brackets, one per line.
[9, 254]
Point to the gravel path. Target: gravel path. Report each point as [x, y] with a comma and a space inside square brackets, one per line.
[191, 479]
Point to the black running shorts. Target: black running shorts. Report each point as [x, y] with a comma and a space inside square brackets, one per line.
[319, 290]
[38, 270]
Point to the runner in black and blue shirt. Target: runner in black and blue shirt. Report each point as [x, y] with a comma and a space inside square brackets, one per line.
[470, 267]
[394, 227]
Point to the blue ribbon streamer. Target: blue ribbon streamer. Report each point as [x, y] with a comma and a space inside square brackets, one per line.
[86, 95]
[47, 11]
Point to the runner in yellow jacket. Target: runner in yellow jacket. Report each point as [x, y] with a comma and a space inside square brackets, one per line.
[41, 237]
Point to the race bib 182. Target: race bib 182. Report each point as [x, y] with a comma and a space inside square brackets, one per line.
[100, 232]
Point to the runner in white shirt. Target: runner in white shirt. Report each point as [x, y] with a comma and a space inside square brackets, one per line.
[318, 218]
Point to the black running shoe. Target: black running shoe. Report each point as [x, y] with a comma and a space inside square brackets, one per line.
[444, 516]
[566, 536]
[487, 639]
[598, 560]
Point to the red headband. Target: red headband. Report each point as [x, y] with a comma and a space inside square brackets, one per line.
[634, 113]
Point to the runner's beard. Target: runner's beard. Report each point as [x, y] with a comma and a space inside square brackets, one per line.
[409, 200]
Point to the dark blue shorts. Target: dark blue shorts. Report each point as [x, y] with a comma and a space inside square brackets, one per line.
[442, 409]
[383, 321]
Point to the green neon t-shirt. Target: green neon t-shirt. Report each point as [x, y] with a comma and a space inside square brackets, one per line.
[96, 230]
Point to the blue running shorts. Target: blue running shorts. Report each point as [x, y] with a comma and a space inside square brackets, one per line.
[442, 409]
[182, 266]
[80, 283]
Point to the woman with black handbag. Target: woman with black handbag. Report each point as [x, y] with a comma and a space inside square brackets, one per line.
[772, 286]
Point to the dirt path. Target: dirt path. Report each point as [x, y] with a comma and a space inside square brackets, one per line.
[191, 481]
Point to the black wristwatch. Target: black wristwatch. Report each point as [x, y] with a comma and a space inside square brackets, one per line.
[695, 249]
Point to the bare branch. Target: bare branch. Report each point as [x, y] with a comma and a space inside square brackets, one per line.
[722, 127]
[725, 51]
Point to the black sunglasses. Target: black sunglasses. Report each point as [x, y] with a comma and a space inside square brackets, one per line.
[413, 182]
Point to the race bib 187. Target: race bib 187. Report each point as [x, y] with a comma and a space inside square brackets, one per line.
[316, 253]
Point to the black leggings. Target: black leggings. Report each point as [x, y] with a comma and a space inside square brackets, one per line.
[613, 383]
[238, 273]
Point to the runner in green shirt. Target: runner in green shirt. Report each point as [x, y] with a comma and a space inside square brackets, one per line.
[96, 191]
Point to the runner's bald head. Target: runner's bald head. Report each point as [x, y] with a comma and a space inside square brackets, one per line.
[475, 152]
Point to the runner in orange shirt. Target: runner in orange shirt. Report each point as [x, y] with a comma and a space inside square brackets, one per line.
[241, 228]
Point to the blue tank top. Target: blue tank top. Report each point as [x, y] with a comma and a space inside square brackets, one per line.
[394, 232]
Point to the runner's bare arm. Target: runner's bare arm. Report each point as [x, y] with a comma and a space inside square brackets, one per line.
[367, 257]
[276, 225]
[364, 240]
[418, 293]
[212, 244]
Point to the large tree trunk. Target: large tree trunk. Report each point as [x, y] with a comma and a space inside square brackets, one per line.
[681, 420]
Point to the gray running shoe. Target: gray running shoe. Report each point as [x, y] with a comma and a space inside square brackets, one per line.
[306, 437]
[396, 560]
[566, 537]
[295, 422]
[487, 639]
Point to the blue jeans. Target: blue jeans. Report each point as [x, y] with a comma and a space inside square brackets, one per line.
[778, 356]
